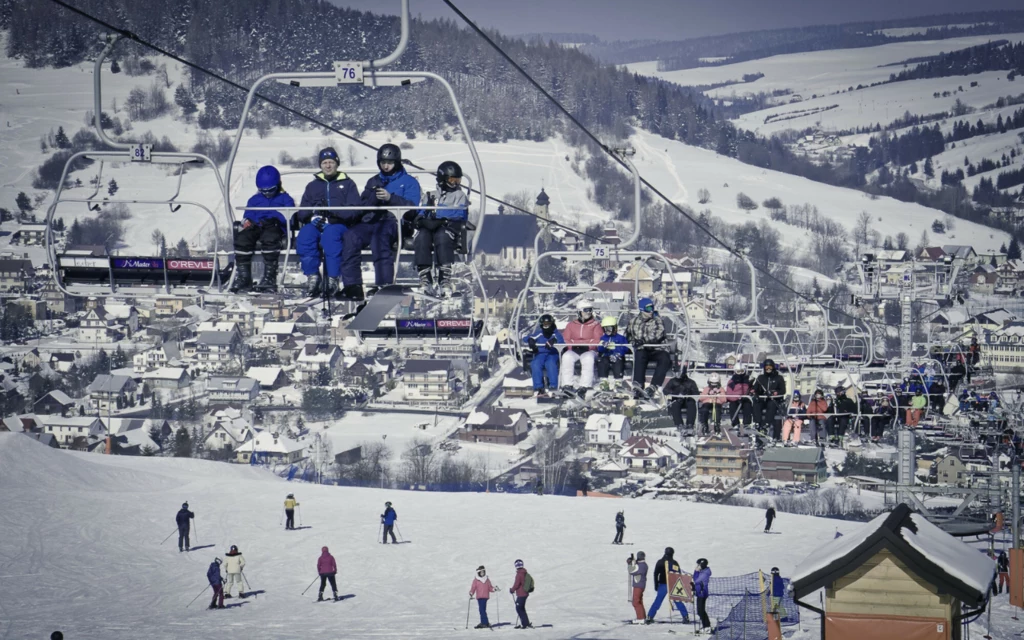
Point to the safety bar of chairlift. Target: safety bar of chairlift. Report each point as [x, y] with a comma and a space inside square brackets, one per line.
[52, 255]
[370, 171]
[383, 74]
[96, 191]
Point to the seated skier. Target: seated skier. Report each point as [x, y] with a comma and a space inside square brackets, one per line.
[264, 227]
[438, 229]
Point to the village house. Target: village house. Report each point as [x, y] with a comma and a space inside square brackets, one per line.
[62, 362]
[495, 426]
[228, 434]
[170, 305]
[606, 431]
[517, 384]
[33, 233]
[725, 455]
[507, 239]
[55, 402]
[249, 319]
[16, 274]
[984, 279]
[96, 327]
[232, 390]
[269, 448]
[644, 453]
[429, 380]
[162, 355]
[794, 464]
[270, 378]
[949, 470]
[501, 297]
[167, 378]
[315, 357]
[65, 430]
[106, 389]
[275, 333]
[216, 348]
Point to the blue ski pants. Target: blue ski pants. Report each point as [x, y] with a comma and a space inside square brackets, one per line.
[308, 243]
[380, 237]
[482, 604]
[658, 599]
[545, 363]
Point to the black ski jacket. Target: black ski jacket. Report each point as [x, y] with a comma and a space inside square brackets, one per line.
[659, 570]
[681, 387]
[769, 385]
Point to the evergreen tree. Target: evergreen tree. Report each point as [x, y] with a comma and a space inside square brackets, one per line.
[929, 170]
[184, 100]
[181, 249]
[24, 204]
[182, 443]
[61, 139]
[112, 187]
[1013, 252]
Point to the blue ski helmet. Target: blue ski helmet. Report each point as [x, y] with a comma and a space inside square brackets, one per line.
[646, 304]
[268, 177]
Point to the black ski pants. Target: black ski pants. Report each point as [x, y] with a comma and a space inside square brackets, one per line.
[711, 413]
[702, 611]
[606, 366]
[289, 518]
[764, 415]
[270, 235]
[439, 244]
[675, 409]
[618, 534]
[740, 411]
[324, 579]
[662, 363]
[183, 538]
[524, 620]
[389, 529]
[768, 523]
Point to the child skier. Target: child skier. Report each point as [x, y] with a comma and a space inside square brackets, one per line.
[217, 583]
[265, 227]
[289, 511]
[712, 402]
[388, 518]
[638, 574]
[439, 229]
[481, 589]
[327, 568]
[701, 580]
[234, 564]
[611, 353]
[620, 527]
[794, 420]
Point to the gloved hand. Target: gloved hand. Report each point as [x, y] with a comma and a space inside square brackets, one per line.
[410, 216]
[419, 222]
[637, 344]
[613, 358]
[382, 194]
[319, 220]
[550, 344]
[246, 223]
[533, 345]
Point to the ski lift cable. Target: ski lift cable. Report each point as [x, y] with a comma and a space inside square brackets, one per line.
[134, 37]
[611, 153]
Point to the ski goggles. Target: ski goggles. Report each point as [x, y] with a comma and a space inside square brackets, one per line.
[648, 308]
[272, 191]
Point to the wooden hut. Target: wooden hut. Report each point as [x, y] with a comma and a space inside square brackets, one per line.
[900, 577]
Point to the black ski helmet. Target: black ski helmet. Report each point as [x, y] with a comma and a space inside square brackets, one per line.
[702, 563]
[546, 318]
[390, 153]
[234, 549]
[448, 169]
[184, 505]
[387, 504]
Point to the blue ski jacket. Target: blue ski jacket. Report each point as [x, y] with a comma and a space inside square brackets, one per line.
[404, 189]
[339, 191]
[701, 578]
[213, 574]
[389, 516]
[455, 203]
[778, 586]
[282, 199]
[542, 340]
[613, 345]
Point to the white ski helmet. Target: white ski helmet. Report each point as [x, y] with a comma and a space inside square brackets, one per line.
[714, 379]
[739, 368]
[584, 306]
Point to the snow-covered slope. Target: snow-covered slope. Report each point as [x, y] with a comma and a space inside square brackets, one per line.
[80, 551]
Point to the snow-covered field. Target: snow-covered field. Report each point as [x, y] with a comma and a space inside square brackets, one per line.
[815, 72]
[80, 551]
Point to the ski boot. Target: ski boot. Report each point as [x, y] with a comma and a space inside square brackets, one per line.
[426, 280]
[243, 275]
[352, 292]
[268, 283]
[320, 597]
[314, 286]
[332, 288]
[444, 282]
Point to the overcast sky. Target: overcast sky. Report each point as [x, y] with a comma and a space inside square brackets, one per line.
[671, 19]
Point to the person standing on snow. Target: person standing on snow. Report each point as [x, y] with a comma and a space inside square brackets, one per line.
[289, 511]
[583, 336]
[545, 355]
[620, 527]
[638, 575]
[611, 353]
[392, 187]
[216, 583]
[646, 332]
[328, 569]
[665, 567]
[481, 589]
[737, 392]
[521, 588]
[778, 591]
[769, 517]
[682, 393]
[184, 520]
[233, 564]
[767, 390]
[388, 518]
[264, 227]
[324, 229]
[701, 580]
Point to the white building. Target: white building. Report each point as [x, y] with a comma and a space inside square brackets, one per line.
[65, 430]
[429, 380]
[271, 448]
[232, 390]
[228, 434]
[250, 319]
[216, 348]
[314, 357]
[605, 430]
[275, 333]
[166, 354]
[106, 389]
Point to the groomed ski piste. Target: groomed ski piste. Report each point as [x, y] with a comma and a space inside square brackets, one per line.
[81, 552]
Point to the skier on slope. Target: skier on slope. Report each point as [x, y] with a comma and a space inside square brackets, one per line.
[217, 583]
[521, 589]
[289, 511]
[778, 591]
[701, 580]
[638, 580]
[769, 517]
[233, 564]
[265, 227]
[183, 519]
[665, 567]
[481, 589]
[388, 518]
[620, 527]
[327, 568]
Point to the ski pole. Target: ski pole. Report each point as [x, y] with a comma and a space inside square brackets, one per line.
[298, 508]
[468, 607]
[759, 523]
[399, 530]
[379, 528]
[519, 621]
[169, 537]
[196, 530]
[497, 603]
[249, 586]
[281, 521]
[310, 585]
[197, 597]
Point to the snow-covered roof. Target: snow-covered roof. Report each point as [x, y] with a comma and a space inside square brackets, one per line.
[217, 325]
[60, 397]
[231, 383]
[612, 466]
[165, 373]
[118, 311]
[494, 417]
[517, 378]
[278, 328]
[609, 421]
[266, 376]
[104, 383]
[922, 547]
[198, 312]
[322, 353]
[266, 442]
